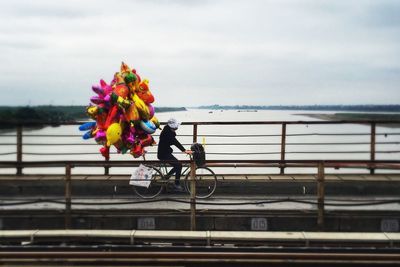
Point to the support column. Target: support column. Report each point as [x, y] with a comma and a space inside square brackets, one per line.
[321, 195]
[283, 147]
[193, 186]
[373, 142]
[67, 196]
[19, 149]
[107, 168]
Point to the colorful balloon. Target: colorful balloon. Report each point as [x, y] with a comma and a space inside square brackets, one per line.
[151, 110]
[122, 113]
[98, 89]
[148, 126]
[155, 121]
[87, 126]
[137, 150]
[121, 90]
[105, 152]
[113, 133]
[146, 140]
[132, 114]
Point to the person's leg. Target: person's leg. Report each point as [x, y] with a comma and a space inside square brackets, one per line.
[176, 167]
[165, 159]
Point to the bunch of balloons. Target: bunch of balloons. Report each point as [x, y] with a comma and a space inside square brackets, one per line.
[123, 114]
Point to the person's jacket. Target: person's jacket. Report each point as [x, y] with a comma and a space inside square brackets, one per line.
[167, 139]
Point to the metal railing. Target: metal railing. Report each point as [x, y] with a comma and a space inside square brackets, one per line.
[320, 166]
[281, 162]
[361, 145]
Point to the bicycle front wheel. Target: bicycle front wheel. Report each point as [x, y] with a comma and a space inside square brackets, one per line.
[155, 187]
[206, 182]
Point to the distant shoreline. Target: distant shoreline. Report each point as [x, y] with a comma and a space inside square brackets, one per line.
[338, 108]
[367, 117]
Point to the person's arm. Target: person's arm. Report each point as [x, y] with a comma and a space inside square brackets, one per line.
[178, 144]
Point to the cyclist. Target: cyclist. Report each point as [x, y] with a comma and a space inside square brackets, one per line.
[164, 152]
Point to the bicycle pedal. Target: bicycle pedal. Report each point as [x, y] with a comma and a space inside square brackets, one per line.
[166, 177]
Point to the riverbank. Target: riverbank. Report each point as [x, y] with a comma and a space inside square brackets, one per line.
[367, 117]
[322, 108]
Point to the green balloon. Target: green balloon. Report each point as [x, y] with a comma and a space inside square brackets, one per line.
[114, 98]
[130, 78]
[124, 149]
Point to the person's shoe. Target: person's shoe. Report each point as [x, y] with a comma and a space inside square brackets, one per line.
[178, 188]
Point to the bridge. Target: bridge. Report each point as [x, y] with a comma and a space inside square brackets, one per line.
[284, 178]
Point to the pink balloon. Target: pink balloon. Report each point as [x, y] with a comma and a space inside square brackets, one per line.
[97, 89]
[97, 100]
[151, 110]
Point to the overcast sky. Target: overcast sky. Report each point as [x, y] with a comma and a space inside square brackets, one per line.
[203, 52]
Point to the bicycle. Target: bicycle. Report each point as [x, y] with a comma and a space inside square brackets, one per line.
[206, 181]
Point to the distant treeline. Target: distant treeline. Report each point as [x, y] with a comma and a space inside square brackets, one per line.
[376, 108]
[169, 109]
[51, 114]
[40, 114]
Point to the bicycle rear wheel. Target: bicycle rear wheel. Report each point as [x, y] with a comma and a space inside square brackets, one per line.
[206, 182]
[155, 187]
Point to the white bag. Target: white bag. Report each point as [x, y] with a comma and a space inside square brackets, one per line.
[141, 176]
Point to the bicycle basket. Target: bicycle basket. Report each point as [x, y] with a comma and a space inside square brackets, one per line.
[199, 155]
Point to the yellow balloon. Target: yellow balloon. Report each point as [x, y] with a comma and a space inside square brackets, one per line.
[92, 111]
[141, 107]
[155, 121]
[113, 133]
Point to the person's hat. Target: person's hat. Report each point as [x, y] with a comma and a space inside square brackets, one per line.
[173, 123]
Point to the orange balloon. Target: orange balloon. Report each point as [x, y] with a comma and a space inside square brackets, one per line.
[121, 90]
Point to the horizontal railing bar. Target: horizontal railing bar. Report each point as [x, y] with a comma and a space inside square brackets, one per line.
[292, 122]
[229, 153]
[224, 165]
[66, 154]
[303, 165]
[301, 144]
[212, 144]
[157, 162]
[238, 122]
[227, 165]
[300, 152]
[232, 135]
[187, 236]
[8, 153]
[60, 144]
[294, 134]
[215, 144]
[51, 135]
[342, 134]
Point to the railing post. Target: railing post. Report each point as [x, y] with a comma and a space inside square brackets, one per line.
[193, 186]
[283, 146]
[321, 195]
[107, 168]
[19, 149]
[68, 196]
[373, 141]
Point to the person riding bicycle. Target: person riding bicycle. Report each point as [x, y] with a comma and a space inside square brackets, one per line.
[164, 152]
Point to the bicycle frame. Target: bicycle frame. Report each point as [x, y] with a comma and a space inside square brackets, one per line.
[164, 168]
